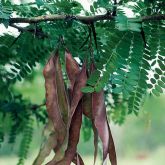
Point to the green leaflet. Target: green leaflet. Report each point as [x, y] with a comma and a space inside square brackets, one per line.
[157, 52]
[125, 77]
[158, 88]
[93, 78]
[139, 89]
[99, 78]
[87, 89]
[124, 24]
[26, 140]
[39, 2]
[161, 83]
[22, 54]
[5, 13]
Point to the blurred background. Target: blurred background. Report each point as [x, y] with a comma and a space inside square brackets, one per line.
[139, 140]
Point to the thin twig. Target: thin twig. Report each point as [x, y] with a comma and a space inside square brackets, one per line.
[36, 31]
[35, 106]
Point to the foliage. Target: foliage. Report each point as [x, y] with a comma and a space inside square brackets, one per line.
[129, 57]
[17, 117]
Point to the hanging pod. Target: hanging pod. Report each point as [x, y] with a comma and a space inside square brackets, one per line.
[72, 68]
[57, 103]
[61, 91]
[65, 108]
[100, 120]
[52, 103]
[80, 82]
[74, 133]
[49, 142]
[87, 111]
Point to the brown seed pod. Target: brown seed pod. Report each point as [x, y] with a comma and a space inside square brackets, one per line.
[67, 117]
[77, 159]
[49, 142]
[112, 151]
[77, 94]
[61, 91]
[46, 149]
[52, 103]
[56, 104]
[100, 121]
[101, 124]
[95, 142]
[72, 68]
[87, 111]
[87, 105]
[74, 133]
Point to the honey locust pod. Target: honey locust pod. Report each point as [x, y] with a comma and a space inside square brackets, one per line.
[65, 111]
[52, 103]
[112, 151]
[87, 105]
[45, 149]
[57, 102]
[74, 133]
[99, 117]
[78, 159]
[87, 111]
[72, 68]
[80, 82]
[49, 142]
[61, 91]
[100, 120]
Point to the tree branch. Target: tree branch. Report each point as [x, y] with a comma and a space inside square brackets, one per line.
[83, 19]
[55, 17]
[21, 29]
[37, 32]
[154, 17]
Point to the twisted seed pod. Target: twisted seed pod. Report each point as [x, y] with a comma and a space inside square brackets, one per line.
[48, 143]
[77, 94]
[56, 102]
[72, 72]
[87, 111]
[78, 160]
[61, 91]
[87, 105]
[74, 133]
[95, 142]
[46, 149]
[100, 121]
[112, 152]
[101, 124]
[52, 103]
[72, 68]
